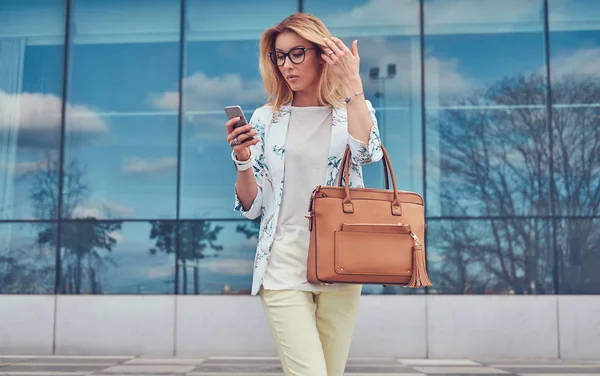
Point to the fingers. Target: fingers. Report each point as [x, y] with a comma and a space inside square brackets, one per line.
[230, 123]
[334, 46]
[339, 44]
[327, 58]
[355, 48]
[241, 134]
[241, 148]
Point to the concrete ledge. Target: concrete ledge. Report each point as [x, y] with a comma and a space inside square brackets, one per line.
[222, 326]
[497, 327]
[579, 327]
[391, 326]
[27, 324]
[415, 326]
[115, 325]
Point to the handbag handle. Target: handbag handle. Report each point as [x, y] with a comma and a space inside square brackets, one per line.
[347, 204]
[385, 171]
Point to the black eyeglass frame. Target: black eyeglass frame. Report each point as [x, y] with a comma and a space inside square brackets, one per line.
[286, 55]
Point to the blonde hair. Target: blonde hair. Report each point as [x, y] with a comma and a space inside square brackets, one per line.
[329, 90]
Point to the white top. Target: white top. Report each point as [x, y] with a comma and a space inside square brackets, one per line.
[309, 129]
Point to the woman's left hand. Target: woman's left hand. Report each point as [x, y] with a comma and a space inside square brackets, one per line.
[345, 63]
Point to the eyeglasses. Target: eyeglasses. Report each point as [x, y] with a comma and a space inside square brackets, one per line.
[296, 55]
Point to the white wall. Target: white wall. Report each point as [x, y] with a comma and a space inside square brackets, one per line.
[435, 326]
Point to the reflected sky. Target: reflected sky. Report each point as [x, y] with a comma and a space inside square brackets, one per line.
[123, 101]
[121, 141]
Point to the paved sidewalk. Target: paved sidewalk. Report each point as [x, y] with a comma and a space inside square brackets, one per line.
[236, 366]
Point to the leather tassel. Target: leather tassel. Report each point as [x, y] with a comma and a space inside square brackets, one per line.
[419, 276]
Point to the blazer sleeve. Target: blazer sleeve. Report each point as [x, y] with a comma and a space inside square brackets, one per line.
[258, 167]
[364, 154]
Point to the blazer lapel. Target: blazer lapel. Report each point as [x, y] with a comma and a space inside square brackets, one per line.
[276, 148]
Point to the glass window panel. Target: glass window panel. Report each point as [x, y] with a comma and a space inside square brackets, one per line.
[389, 48]
[31, 85]
[579, 255]
[121, 129]
[575, 74]
[216, 257]
[485, 81]
[502, 256]
[221, 69]
[390, 51]
[27, 258]
[115, 257]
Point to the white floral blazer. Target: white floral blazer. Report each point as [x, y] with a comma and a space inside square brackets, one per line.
[269, 158]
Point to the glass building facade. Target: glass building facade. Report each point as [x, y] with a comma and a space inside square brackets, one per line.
[115, 176]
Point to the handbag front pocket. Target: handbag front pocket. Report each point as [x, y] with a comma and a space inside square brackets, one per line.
[373, 250]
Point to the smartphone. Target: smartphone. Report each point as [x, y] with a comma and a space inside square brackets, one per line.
[235, 111]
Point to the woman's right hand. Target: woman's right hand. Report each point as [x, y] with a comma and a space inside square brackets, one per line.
[240, 139]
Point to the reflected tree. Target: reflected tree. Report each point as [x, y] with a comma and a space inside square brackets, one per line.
[86, 244]
[250, 230]
[195, 238]
[496, 162]
[21, 273]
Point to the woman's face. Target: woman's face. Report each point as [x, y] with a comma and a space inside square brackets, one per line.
[304, 75]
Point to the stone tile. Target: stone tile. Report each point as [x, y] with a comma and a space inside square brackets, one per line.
[243, 358]
[557, 374]
[379, 369]
[372, 361]
[217, 360]
[545, 365]
[149, 369]
[45, 373]
[12, 359]
[50, 368]
[553, 370]
[174, 361]
[235, 374]
[466, 374]
[115, 357]
[240, 368]
[411, 373]
[460, 370]
[438, 362]
[73, 361]
[143, 374]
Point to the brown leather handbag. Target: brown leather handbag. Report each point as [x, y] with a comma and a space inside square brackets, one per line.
[366, 236]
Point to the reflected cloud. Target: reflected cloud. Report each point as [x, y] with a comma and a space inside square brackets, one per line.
[501, 16]
[234, 267]
[212, 93]
[38, 118]
[101, 209]
[140, 166]
[376, 12]
[157, 272]
[443, 76]
[507, 13]
[583, 61]
[20, 169]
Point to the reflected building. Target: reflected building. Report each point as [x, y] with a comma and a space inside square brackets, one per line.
[116, 179]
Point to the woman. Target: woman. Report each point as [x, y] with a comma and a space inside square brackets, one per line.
[294, 143]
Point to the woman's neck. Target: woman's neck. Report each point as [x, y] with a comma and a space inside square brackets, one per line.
[306, 98]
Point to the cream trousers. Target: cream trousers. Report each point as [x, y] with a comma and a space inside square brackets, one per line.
[312, 331]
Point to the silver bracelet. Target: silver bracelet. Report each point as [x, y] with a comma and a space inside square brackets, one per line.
[241, 165]
[349, 99]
